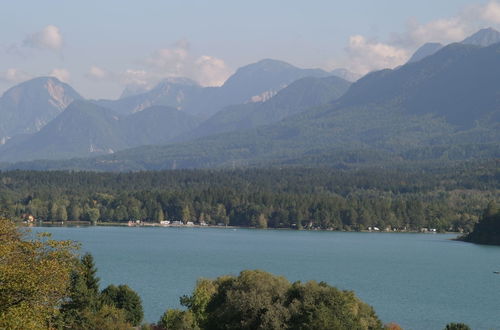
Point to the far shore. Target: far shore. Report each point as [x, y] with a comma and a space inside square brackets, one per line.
[151, 224]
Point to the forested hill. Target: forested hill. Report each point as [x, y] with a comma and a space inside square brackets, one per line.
[487, 230]
[444, 198]
[459, 83]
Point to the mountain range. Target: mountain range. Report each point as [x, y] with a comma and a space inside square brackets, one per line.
[298, 96]
[252, 83]
[166, 112]
[443, 104]
[86, 129]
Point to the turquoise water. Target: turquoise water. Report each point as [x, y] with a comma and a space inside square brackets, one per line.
[420, 281]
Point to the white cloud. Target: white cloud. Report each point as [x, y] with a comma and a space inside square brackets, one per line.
[138, 78]
[211, 71]
[491, 12]
[49, 38]
[365, 55]
[176, 61]
[171, 60]
[442, 30]
[61, 74]
[14, 75]
[97, 73]
[452, 29]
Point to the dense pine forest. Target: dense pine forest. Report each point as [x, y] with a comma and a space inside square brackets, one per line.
[449, 197]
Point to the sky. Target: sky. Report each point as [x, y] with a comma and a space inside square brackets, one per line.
[101, 47]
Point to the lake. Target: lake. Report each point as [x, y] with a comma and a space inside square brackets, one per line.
[420, 281]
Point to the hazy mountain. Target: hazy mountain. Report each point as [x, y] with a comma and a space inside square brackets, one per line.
[144, 119]
[298, 96]
[445, 106]
[3, 136]
[346, 74]
[29, 106]
[425, 50]
[82, 129]
[459, 82]
[86, 129]
[483, 38]
[132, 90]
[251, 83]
[156, 125]
[177, 93]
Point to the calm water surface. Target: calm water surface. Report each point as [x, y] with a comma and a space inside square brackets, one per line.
[420, 281]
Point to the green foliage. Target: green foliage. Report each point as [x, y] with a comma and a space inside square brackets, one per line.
[44, 286]
[34, 278]
[487, 230]
[319, 306]
[457, 326]
[92, 215]
[126, 299]
[87, 308]
[259, 300]
[83, 294]
[89, 276]
[105, 318]
[198, 301]
[445, 198]
[252, 300]
[174, 319]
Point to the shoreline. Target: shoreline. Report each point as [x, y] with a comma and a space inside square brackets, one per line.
[150, 225]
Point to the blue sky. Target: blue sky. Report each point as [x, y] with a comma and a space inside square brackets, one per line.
[99, 47]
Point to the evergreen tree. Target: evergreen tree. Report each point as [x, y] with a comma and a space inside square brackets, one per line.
[160, 215]
[186, 214]
[83, 293]
[457, 326]
[87, 308]
[62, 214]
[123, 297]
[75, 212]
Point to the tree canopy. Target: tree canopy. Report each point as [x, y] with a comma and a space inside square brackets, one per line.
[44, 285]
[444, 198]
[487, 230]
[258, 300]
[34, 277]
[88, 308]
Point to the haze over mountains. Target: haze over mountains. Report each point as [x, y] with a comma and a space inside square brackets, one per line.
[254, 82]
[482, 38]
[443, 104]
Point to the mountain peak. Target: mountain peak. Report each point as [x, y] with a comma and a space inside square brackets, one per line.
[177, 81]
[180, 81]
[33, 84]
[60, 94]
[267, 64]
[483, 38]
[425, 50]
[272, 69]
[133, 90]
[28, 106]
